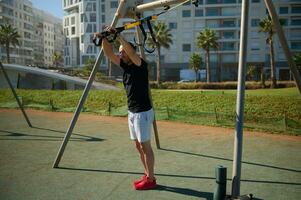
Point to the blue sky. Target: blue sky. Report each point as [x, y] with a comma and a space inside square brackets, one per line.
[54, 7]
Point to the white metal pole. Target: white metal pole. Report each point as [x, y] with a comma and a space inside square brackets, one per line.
[142, 54]
[240, 100]
[157, 4]
[85, 93]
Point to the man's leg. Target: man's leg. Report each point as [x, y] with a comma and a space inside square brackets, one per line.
[142, 157]
[149, 159]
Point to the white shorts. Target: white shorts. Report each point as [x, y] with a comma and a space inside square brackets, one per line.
[140, 125]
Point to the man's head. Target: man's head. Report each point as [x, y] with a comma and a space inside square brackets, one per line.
[123, 55]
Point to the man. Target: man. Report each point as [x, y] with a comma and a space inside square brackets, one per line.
[140, 112]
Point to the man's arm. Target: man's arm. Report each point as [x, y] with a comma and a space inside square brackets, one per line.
[130, 51]
[108, 50]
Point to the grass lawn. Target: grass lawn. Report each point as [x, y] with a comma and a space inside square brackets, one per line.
[276, 110]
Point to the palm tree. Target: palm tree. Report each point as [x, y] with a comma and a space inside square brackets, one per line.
[251, 72]
[207, 40]
[57, 58]
[8, 36]
[195, 63]
[297, 59]
[163, 39]
[266, 26]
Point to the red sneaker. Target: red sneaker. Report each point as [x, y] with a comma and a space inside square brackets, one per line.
[141, 179]
[146, 184]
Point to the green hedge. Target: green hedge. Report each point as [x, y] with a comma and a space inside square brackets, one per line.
[218, 85]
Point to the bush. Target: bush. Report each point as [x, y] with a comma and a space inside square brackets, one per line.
[218, 85]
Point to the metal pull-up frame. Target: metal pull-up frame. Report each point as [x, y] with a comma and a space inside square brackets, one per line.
[130, 8]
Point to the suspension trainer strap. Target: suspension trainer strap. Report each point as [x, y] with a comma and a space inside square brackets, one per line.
[112, 36]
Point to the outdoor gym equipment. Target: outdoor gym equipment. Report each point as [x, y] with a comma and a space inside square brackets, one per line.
[134, 8]
[126, 8]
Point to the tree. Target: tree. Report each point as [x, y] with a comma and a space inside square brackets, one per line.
[251, 72]
[266, 26]
[57, 58]
[297, 59]
[8, 36]
[195, 63]
[89, 64]
[207, 40]
[163, 39]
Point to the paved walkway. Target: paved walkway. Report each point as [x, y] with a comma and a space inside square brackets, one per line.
[100, 162]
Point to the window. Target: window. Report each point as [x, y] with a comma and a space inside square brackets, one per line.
[212, 12]
[186, 47]
[66, 22]
[114, 4]
[255, 1]
[73, 30]
[66, 32]
[186, 13]
[228, 23]
[255, 46]
[229, 1]
[228, 46]
[296, 45]
[92, 17]
[94, 7]
[255, 22]
[283, 10]
[172, 25]
[213, 1]
[72, 20]
[296, 22]
[83, 18]
[103, 18]
[199, 13]
[90, 49]
[89, 7]
[89, 28]
[103, 8]
[296, 10]
[228, 35]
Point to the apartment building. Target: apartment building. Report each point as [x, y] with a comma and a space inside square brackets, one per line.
[19, 14]
[85, 17]
[41, 33]
[49, 37]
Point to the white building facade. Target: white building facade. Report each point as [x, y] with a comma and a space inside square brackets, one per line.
[41, 34]
[84, 17]
[19, 14]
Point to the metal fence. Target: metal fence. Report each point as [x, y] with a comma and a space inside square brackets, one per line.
[282, 124]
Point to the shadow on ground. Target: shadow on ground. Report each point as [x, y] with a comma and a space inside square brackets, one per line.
[22, 136]
[174, 175]
[227, 159]
[186, 191]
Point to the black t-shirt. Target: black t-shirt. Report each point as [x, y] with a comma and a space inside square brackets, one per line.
[135, 81]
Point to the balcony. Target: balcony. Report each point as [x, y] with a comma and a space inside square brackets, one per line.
[221, 1]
